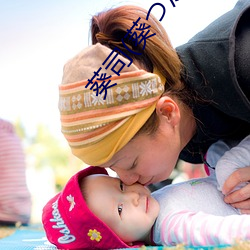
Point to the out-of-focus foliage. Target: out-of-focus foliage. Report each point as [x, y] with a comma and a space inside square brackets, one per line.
[45, 150]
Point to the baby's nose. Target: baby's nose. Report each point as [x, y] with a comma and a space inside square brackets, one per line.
[133, 197]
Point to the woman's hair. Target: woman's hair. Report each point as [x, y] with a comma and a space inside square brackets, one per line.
[109, 27]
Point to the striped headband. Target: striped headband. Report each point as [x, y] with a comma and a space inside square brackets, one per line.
[97, 126]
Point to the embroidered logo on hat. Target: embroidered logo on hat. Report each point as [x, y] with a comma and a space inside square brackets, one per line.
[72, 203]
[94, 235]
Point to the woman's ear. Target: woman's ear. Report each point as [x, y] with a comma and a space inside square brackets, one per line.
[168, 110]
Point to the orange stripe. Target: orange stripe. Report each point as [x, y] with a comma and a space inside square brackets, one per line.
[89, 135]
[113, 78]
[108, 111]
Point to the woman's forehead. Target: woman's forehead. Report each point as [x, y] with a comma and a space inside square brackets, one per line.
[128, 153]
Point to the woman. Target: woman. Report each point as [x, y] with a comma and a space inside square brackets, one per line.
[140, 125]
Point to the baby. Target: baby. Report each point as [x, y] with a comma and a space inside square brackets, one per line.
[96, 211]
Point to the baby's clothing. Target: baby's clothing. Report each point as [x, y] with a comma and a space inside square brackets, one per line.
[194, 212]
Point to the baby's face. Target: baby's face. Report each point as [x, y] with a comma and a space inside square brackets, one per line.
[130, 211]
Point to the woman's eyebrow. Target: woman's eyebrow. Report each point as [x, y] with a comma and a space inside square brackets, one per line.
[112, 165]
[115, 163]
[134, 164]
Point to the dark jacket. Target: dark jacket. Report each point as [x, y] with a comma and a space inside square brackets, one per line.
[217, 67]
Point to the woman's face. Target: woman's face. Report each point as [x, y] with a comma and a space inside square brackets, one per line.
[148, 159]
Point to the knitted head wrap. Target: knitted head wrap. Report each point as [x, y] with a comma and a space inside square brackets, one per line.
[97, 127]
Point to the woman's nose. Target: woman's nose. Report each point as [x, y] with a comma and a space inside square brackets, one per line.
[126, 177]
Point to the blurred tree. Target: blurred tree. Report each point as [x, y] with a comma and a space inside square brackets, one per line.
[45, 150]
[20, 130]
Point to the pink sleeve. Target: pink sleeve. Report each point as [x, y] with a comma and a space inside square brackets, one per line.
[15, 200]
[201, 229]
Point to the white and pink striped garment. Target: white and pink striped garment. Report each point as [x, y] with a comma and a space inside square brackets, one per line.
[15, 200]
[194, 212]
[202, 229]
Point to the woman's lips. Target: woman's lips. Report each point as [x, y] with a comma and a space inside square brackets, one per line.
[148, 183]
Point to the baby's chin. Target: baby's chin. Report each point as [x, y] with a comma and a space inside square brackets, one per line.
[153, 209]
